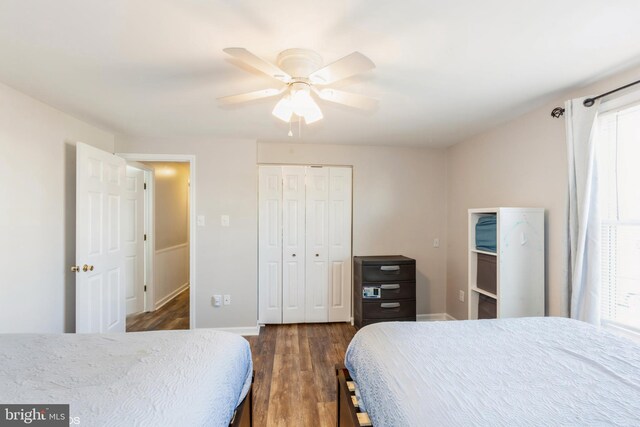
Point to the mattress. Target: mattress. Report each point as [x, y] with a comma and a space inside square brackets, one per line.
[506, 372]
[162, 378]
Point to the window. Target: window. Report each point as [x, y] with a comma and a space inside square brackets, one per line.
[618, 144]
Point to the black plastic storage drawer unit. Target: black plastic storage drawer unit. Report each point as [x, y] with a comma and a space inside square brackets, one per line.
[384, 289]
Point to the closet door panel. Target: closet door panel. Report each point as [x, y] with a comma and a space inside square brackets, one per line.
[293, 244]
[340, 185]
[270, 244]
[317, 230]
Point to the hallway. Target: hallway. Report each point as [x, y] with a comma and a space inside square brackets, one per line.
[172, 315]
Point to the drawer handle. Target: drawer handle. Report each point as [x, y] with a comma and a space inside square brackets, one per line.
[390, 305]
[394, 286]
[389, 267]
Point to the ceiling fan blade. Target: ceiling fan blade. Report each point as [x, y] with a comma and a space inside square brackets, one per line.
[258, 63]
[348, 66]
[346, 98]
[250, 96]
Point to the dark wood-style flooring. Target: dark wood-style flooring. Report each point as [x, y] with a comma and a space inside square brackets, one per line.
[172, 315]
[295, 383]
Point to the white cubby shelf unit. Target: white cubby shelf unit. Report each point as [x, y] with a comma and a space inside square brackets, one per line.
[520, 268]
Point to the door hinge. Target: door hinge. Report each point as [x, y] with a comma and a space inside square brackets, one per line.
[145, 288]
[145, 185]
[145, 237]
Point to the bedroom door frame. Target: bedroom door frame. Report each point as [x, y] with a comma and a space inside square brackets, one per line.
[191, 160]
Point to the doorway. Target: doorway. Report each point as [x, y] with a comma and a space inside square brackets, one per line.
[100, 264]
[167, 295]
[187, 295]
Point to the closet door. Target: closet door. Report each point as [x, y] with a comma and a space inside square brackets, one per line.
[293, 244]
[317, 269]
[270, 244]
[339, 244]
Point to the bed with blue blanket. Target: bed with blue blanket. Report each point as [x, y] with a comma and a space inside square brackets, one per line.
[506, 372]
[163, 378]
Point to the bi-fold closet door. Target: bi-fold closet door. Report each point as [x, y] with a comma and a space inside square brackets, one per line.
[304, 244]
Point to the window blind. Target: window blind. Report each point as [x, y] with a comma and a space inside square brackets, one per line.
[618, 158]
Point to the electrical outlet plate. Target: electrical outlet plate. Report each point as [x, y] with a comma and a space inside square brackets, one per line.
[436, 243]
[227, 300]
[461, 296]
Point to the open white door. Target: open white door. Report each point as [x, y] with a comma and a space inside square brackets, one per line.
[133, 239]
[100, 301]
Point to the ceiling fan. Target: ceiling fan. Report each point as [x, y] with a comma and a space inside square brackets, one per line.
[301, 72]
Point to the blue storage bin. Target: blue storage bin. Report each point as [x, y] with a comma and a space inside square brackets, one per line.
[486, 233]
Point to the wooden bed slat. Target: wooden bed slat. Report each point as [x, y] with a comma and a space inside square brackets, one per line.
[348, 413]
[363, 419]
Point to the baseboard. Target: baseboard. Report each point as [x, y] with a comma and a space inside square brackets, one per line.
[172, 295]
[241, 330]
[434, 316]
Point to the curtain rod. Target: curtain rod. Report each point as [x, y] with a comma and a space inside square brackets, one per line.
[559, 111]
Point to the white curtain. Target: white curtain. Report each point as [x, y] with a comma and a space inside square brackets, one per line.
[584, 220]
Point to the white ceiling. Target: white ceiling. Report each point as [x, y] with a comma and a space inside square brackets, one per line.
[445, 70]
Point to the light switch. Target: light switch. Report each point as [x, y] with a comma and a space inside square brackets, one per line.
[217, 300]
[436, 243]
[224, 220]
[200, 220]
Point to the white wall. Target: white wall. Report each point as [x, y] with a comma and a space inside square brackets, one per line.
[521, 163]
[37, 215]
[399, 204]
[226, 262]
[171, 188]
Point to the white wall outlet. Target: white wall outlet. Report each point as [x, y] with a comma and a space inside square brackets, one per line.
[200, 220]
[461, 296]
[224, 220]
[436, 243]
[216, 300]
[227, 300]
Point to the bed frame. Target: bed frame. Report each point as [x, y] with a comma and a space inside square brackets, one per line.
[347, 414]
[243, 415]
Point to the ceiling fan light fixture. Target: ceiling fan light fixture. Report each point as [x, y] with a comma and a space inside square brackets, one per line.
[303, 104]
[283, 109]
[313, 113]
[300, 99]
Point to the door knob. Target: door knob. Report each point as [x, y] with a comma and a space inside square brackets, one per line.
[75, 268]
[85, 268]
[317, 254]
[293, 255]
[91, 268]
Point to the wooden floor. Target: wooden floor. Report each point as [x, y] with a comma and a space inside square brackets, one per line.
[172, 315]
[295, 383]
